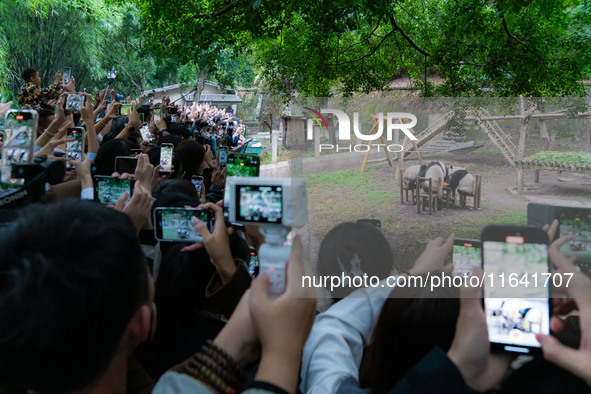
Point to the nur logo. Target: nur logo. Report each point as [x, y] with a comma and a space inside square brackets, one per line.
[394, 121]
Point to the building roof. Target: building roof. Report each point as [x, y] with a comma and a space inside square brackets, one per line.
[189, 86]
[220, 98]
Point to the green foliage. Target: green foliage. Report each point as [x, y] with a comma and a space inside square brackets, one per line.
[569, 158]
[536, 48]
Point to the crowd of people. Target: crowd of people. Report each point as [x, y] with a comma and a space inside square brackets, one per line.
[91, 302]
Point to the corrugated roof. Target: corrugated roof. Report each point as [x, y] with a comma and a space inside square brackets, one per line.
[220, 98]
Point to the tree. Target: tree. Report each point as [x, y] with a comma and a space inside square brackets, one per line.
[50, 36]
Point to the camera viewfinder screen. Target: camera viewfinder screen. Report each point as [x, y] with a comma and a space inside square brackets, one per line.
[18, 137]
[74, 148]
[176, 224]
[166, 158]
[110, 189]
[259, 204]
[465, 258]
[74, 102]
[516, 312]
[578, 224]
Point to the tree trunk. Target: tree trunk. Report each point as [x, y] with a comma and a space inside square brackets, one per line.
[202, 74]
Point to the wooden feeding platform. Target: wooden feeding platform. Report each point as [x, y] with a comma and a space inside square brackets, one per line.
[553, 161]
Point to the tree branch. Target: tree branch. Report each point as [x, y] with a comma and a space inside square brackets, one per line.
[367, 54]
[407, 38]
[366, 38]
[212, 15]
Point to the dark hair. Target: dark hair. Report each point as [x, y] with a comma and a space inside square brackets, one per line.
[349, 243]
[174, 186]
[412, 322]
[192, 154]
[108, 151]
[28, 74]
[44, 115]
[68, 290]
[170, 139]
[179, 298]
[179, 129]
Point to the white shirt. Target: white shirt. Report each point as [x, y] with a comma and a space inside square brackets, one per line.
[335, 345]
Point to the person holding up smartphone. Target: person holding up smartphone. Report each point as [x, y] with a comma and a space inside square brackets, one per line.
[31, 92]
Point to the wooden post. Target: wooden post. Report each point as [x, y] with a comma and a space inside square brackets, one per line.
[401, 157]
[522, 130]
[382, 140]
[274, 148]
[316, 141]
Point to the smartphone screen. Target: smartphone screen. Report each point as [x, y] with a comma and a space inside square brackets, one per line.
[577, 222]
[125, 109]
[466, 256]
[197, 181]
[259, 204]
[239, 164]
[174, 224]
[20, 129]
[145, 132]
[67, 75]
[74, 149]
[74, 102]
[516, 295]
[107, 190]
[166, 157]
[125, 164]
[223, 157]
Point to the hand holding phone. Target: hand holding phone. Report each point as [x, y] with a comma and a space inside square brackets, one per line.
[179, 224]
[223, 157]
[516, 293]
[107, 190]
[74, 149]
[75, 101]
[166, 153]
[125, 164]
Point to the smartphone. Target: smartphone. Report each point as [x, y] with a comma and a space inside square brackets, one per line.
[253, 264]
[516, 292]
[107, 190]
[166, 157]
[539, 215]
[239, 164]
[577, 222]
[174, 224]
[197, 181]
[125, 109]
[125, 164]
[372, 222]
[223, 157]
[75, 148]
[145, 132]
[20, 129]
[67, 75]
[74, 102]
[466, 255]
[135, 152]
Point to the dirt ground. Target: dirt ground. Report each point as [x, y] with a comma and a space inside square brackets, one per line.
[343, 196]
